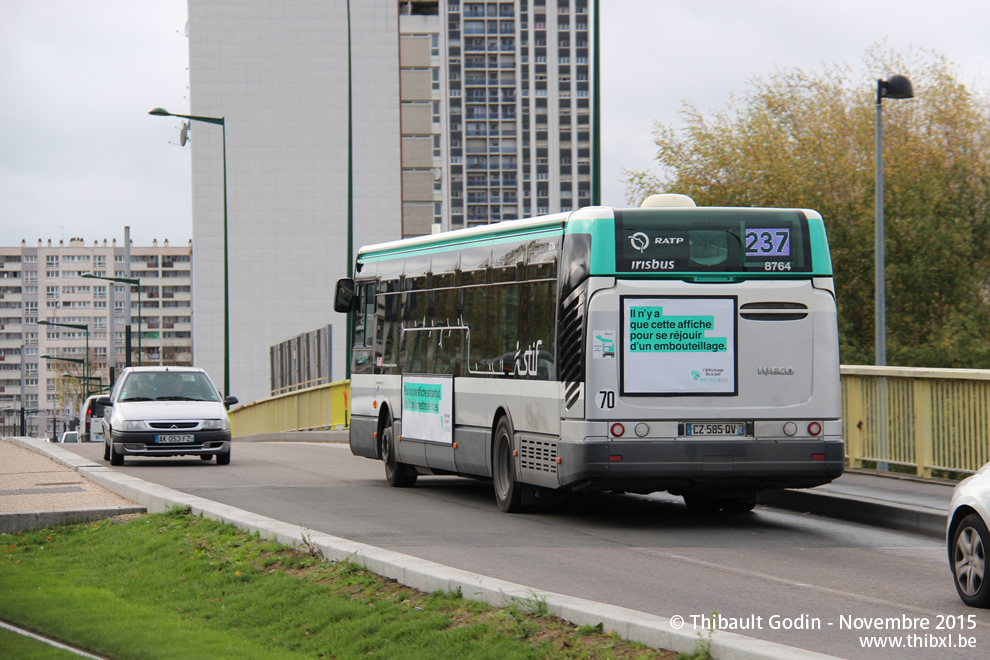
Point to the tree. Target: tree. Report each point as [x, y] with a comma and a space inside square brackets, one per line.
[807, 140]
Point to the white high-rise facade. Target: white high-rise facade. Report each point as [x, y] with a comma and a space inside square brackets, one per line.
[464, 113]
[278, 75]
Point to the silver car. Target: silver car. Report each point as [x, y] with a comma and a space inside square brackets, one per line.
[967, 538]
[165, 411]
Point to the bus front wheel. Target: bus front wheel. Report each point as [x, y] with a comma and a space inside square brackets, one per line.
[508, 492]
[398, 475]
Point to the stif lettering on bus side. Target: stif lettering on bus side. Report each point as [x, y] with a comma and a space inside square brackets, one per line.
[529, 359]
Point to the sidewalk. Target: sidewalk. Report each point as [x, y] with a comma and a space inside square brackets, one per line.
[37, 492]
[881, 499]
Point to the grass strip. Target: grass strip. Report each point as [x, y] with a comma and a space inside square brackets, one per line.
[174, 585]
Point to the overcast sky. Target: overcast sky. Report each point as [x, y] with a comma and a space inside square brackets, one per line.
[80, 156]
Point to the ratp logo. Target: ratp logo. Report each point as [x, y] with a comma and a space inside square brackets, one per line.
[639, 241]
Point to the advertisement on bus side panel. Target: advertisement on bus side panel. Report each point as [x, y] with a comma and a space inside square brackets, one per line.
[427, 409]
[679, 346]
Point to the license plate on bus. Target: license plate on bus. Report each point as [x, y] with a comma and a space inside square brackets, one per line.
[721, 428]
[173, 439]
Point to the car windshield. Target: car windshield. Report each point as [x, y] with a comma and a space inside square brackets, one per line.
[168, 386]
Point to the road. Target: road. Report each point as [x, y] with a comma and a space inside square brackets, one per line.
[794, 579]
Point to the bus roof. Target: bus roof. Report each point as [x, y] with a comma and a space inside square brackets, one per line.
[588, 220]
[481, 232]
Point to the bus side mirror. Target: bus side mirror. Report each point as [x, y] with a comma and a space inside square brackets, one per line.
[343, 297]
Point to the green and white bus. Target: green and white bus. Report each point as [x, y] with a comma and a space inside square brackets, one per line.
[669, 347]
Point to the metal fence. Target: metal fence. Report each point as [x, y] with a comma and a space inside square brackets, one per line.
[923, 419]
[301, 362]
[920, 419]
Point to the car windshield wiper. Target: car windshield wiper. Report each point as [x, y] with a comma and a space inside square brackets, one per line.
[135, 398]
[176, 398]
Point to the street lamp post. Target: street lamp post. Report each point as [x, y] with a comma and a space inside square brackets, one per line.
[898, 87]
[133, 282]
[77, 326]
[162, 112]
[56, 357]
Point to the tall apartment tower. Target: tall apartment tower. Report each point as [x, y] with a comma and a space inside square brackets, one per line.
[506, 85]
[50, 314]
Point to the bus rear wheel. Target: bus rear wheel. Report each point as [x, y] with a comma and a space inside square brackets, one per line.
[508, 492]
[398, 475]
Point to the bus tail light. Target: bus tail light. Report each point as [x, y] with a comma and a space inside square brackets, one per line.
[615, 458]
[618, 430]
[814, 428]
[818, 457]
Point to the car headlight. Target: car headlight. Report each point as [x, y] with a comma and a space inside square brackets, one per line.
[134, 425]
[215, 424]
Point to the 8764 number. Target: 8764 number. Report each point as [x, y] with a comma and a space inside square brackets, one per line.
[777, 265]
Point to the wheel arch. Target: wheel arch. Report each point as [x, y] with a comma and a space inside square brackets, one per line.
[501, 411]
[385, 418]
[957, 516]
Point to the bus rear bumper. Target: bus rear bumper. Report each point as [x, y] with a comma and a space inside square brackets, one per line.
[679, 466]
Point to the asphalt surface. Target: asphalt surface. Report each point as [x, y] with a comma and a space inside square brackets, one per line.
[43, 484]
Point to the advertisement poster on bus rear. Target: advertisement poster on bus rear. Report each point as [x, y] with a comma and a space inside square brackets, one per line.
[679, 346]
[427, 409]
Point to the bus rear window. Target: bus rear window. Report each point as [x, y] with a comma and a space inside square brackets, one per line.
[704, 240]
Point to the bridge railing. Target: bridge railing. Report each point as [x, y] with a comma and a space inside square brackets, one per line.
[919, 419]
[320, 408]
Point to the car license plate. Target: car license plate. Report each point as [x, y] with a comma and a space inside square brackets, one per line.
[722, 428]
[173, 439]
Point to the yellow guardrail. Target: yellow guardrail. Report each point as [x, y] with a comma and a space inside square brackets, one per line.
[920, 419]
[319, 408]
[923, 419]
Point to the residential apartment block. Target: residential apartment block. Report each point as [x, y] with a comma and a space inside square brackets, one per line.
[54, 306]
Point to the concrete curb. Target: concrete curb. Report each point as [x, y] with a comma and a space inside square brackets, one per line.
[32, 520]
[651, 630]
[921, 520]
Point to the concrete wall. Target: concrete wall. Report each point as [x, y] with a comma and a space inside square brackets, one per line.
[278, 74]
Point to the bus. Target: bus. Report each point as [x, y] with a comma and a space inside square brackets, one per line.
[669, 347]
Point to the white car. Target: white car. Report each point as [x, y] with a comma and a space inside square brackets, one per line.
[165, 411]
[90, 420]
[968, 540]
